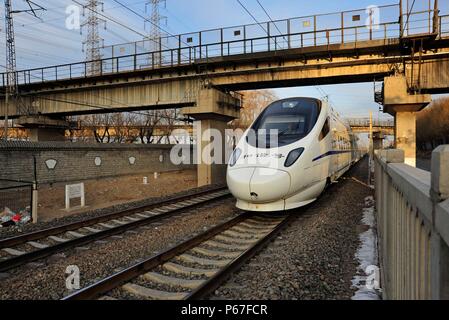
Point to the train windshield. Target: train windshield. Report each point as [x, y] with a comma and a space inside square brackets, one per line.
[284, 122]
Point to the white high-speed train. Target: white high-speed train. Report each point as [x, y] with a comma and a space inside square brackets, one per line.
[290, 153]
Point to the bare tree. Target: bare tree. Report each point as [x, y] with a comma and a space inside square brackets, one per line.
[148, 122]
[433, 125]
[254, 102]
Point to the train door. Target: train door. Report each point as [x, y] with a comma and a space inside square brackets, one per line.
[335, 148]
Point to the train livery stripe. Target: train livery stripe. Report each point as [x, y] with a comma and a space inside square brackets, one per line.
[331, 153]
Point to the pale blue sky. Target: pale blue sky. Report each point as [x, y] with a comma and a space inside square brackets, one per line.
[49, 42]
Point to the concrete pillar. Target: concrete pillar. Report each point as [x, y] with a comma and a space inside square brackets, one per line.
[213, 110]
[42, 128]
[399, 102]
[211, 151]
[405, 135]
[378, 141]
[46, 134]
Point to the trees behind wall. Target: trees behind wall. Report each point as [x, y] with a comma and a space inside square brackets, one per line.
[254, 102]
[126, 127]
[433, 125]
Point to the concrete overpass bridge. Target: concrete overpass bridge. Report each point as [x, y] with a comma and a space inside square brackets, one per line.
[362, 125]
[200, 72]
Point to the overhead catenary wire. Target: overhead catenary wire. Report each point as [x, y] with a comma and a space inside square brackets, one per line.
[111, 19]
[257, 21]
[252, 16]
[269, 17]
[408, 17]
[123, 25]
[148, 20]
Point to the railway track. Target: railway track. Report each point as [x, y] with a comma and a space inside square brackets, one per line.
[16, 251]
[194, 268]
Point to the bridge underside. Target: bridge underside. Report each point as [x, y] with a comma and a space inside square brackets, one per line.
[179, 86]
[384, 131]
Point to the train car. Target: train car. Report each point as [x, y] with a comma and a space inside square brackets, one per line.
[292, 151]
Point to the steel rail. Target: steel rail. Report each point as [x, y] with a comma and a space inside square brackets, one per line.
[97, 289]
[23, 238]
[100, 288]
[42, 253]
[213, 283]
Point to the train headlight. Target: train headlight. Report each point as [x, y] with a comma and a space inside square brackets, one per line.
[293, 156]
[235, 156]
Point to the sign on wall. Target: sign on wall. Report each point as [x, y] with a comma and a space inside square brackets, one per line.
[74, 191]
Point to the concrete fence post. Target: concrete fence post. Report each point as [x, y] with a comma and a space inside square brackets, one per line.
[385, 214]
[394, 156]
[440, 174]
[439, 192]
[34, 206]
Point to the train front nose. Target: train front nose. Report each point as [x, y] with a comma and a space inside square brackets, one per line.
[258, 185]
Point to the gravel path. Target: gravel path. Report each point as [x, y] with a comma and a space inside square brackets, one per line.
[314, 257]
[46, 280]
[17, 230]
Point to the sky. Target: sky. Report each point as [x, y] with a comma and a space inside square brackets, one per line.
[48, 41]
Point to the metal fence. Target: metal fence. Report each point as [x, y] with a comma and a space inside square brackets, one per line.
[366, 122]
[413, 225]
[16, 197]
[318, 30]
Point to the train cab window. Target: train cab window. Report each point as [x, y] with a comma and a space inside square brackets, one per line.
[285, 122]
[326, 129]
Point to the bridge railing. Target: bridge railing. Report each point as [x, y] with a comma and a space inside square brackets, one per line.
[349, 27]
[203, 53]
[413, 226]
[366, 123]
[444, 26]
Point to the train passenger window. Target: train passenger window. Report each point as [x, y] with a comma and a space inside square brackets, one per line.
[326, 129]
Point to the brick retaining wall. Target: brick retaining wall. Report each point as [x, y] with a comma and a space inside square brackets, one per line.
[79, 161]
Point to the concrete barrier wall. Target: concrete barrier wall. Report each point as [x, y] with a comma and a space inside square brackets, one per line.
[413, 225]
[65, 162]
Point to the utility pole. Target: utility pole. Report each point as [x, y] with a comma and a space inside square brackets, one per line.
[11, 79]
[155, 35]
[371, 143]
[436, 19]
[93, 42]
[12, 89]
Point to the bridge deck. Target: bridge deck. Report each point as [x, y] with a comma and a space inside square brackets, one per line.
[300, 37]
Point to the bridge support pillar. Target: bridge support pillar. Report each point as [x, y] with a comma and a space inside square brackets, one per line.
[403, 106]
[213, 110]
[44, 128]
[378, 140]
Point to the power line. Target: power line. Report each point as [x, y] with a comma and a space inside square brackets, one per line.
[252, 16]
[146, 19]
[112, 20]
[269, 17]
[408, 17]
[118, 22]
[257, 21]
[12, 88]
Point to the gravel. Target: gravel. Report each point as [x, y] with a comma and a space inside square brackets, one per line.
[17, 230]
[314, 257]
[46, 279]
